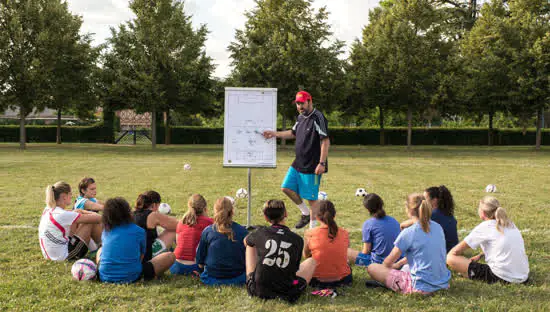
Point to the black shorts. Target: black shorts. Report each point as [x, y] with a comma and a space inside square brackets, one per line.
[291, 295]
[147, 271]
[482, 272]
[346, 281]
[77, 248]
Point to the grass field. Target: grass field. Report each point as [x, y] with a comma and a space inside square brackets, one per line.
[29, 283]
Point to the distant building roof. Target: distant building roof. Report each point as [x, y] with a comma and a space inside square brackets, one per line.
[46, 114]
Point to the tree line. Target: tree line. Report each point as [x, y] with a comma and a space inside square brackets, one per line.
[424, 58]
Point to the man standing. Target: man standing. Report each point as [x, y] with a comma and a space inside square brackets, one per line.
[312, 143]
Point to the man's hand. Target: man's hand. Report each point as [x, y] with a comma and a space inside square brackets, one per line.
[268, 134]
[320, 169]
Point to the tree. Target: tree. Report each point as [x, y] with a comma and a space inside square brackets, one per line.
[31, 35]
[402, 54]
[485, 59]
[528, 28]
[286, 44]
[160, 62]
[70, 87]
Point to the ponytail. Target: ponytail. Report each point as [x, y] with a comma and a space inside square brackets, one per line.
[375, 205]
[326, 214]
[196, 206]
[424, 215]
[492, 210]
[223, 217]
[421, 208]
[147, 199]
[53, 192]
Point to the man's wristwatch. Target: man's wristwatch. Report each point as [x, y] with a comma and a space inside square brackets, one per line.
[323, 163]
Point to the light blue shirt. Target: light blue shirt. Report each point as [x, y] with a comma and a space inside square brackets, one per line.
[80, 201]
[425, 254]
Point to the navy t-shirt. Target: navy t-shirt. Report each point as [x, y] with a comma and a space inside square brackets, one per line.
[448, 223]
[309, 131]
[222, 257]
[381, 233]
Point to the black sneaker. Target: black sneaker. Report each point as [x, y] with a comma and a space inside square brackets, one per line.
[304, 220]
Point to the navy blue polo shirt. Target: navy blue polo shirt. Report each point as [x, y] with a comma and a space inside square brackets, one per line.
[309, 130]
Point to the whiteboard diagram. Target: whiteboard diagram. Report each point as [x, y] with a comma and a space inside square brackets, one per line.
[249, 112]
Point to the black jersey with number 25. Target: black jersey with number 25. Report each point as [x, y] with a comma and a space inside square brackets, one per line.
[279, 252]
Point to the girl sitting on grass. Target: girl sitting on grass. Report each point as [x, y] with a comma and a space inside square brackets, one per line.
[423, 245]
[501, 244]
[221, 251]
[66, 235]
[86, 200]
[443, 206]
[146, 215]
[188, 233]
[120, 258]
[328, 245]
[379, 233]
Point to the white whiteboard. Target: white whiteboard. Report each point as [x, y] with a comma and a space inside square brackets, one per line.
[248, 112]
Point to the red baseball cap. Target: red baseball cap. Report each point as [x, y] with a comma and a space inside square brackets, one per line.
[302, 97]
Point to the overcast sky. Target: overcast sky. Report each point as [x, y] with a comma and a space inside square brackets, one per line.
[347, 18]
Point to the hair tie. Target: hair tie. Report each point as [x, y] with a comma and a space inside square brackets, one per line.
[53, 188]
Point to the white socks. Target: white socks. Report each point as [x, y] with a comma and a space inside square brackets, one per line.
[304, 209]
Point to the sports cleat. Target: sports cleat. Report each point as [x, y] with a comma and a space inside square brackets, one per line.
[304, 220]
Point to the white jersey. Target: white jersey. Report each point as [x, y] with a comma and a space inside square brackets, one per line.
[504, 252]
[53, 232]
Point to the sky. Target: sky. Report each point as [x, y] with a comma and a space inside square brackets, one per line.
[222, 17]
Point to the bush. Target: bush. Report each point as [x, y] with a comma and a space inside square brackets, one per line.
[339, 136]
[40, 134]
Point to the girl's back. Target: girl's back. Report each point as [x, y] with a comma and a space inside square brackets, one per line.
[188, 238]
[330, 254]
[120, 260]
[426, 255]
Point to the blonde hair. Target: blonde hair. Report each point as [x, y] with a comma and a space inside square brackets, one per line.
[54, 191]
[223, 217]
[419, 207]
[492, 210]
[196, 206]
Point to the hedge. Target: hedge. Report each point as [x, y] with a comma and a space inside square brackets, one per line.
[371, 136]
[40, 134]
[339, 136]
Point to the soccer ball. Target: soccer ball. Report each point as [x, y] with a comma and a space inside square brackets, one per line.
[164, 208]
[187, 167]
[84, 270]
[491, 188]
[322, 195]
[361, 192]
[231, 199]
[241, 193]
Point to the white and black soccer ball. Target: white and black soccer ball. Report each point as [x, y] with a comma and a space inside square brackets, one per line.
[491, 188]
[360, 192]
[322, 195]
[84, 270]
[187, 167]
[231, 199]
[241, 193]
[164, 208]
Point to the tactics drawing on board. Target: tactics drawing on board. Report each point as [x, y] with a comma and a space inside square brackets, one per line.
[248, 112]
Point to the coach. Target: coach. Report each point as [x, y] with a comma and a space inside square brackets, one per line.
[312, 143]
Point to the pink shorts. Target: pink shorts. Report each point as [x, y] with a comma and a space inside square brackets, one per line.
[401, 282]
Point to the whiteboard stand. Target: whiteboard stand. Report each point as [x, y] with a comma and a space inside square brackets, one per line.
[249, 112]
[249, 208]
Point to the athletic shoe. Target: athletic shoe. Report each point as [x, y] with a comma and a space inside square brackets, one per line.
[304, 220]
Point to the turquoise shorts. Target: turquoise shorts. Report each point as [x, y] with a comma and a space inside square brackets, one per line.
[304, 184]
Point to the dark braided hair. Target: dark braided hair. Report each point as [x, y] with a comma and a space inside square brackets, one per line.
[326, 214]
[147, 199]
